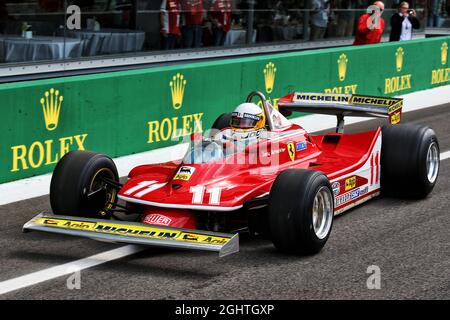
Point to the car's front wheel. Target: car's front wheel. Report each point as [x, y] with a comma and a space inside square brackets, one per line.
[301, 210]
[83, 185]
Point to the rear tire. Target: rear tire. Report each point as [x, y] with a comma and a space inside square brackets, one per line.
[296, 222]
[409, 160]
[77, 175]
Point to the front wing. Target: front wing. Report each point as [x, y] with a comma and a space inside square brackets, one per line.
[135, 233]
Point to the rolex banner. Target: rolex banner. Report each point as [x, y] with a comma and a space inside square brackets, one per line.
[121, 113]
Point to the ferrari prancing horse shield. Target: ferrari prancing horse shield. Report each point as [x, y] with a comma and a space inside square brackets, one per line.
[291, 150]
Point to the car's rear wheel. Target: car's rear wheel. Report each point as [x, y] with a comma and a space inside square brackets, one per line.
[301, 209]
[410, 159]
[83, 185]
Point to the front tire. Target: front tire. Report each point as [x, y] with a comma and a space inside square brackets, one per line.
[301, 209]
[409, 160]
[78, 185]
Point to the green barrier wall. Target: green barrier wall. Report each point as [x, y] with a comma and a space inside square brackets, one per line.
[121, 113]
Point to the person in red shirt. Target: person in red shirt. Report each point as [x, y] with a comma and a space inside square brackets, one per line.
[193, 12]
[50, 5]
[170, 22]
[370, 30]
[220, 15]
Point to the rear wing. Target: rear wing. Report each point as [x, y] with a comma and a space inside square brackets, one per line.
[342, 105]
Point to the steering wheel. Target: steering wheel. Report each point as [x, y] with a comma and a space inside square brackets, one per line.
[265, 107]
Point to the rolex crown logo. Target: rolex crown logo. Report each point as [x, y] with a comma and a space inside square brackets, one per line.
[399, 59]
[177, 86]
[51, 106]
[269, 76]
[342, 66]
[444, 53]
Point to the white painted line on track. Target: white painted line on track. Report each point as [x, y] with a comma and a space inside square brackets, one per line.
[68, 268]
[78, 265]
[38, 186]
[445, 155]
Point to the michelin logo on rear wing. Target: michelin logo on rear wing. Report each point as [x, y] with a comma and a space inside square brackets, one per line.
[348, 99]
[322, 98]
[390, 107]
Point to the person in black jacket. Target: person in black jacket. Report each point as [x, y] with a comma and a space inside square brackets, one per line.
[402, 23]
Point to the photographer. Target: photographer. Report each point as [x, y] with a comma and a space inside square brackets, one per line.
[402, 23]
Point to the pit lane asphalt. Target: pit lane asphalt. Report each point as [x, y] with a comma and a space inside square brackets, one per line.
[408, 240]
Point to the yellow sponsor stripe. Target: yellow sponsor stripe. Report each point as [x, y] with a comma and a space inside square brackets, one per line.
[395, 118]
[375, 101]
[67, 224]
[395, 107]
[201, 238]
[182, 176]
[350, 183]
[133, 231]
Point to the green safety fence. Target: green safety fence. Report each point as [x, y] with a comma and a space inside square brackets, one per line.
[121, 113]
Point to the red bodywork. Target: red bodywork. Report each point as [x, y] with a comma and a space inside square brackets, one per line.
[174, 198]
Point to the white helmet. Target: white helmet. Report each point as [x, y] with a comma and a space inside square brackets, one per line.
[247, 117]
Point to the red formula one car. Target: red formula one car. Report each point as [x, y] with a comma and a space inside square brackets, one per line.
[280, 182]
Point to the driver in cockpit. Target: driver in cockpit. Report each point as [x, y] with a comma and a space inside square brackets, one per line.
[247, 124]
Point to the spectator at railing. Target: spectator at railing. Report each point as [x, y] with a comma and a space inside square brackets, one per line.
[332, 26]
[3, 16]
[193, 12]
[402, 23]
[346, 18]
[51, 5]
[370, 28]
[85, 5]
[319, 18]
[220, 15]
[435, 12]
[170, 23]
[280, 14]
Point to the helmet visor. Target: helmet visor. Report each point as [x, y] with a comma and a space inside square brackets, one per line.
[242, 123]
[248, 121]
